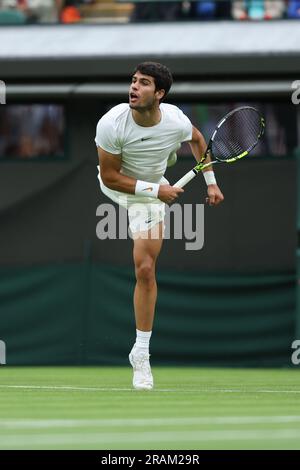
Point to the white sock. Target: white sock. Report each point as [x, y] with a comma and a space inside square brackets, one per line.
[143, 340]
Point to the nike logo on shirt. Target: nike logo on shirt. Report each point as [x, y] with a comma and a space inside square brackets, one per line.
[145, 138]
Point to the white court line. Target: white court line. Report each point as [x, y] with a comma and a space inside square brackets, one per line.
[207, 420]
[67, 388]
[158, 390]
[97, 440]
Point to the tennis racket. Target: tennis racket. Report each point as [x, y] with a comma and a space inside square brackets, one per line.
[233, 138]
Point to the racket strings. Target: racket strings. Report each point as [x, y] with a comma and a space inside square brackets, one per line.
[238, 133]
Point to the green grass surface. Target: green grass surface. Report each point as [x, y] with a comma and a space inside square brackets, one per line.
[190, 408]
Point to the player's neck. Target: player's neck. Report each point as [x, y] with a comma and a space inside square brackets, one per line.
[146, 118]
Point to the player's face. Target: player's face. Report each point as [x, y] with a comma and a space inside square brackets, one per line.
[142, 94]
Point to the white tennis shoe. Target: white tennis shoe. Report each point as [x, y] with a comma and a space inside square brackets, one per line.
[142, 376]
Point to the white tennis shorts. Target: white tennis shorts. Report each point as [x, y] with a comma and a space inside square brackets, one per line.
[143, 212]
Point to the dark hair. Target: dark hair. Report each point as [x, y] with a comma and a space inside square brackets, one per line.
[162, 76]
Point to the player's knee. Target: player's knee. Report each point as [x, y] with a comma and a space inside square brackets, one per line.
[145, 271]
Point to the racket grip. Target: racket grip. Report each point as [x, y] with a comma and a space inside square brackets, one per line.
[185, 179]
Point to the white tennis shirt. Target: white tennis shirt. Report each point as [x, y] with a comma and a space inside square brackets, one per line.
[144, 150]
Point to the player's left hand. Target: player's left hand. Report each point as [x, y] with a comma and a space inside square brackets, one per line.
[214, 194]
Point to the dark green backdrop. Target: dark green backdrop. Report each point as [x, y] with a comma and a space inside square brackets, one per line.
[81, 313]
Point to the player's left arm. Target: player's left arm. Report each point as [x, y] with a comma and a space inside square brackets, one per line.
[198, 147]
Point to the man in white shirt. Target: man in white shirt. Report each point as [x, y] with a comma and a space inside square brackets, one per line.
[135, 143]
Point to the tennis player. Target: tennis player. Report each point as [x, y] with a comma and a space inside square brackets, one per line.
[136, 142]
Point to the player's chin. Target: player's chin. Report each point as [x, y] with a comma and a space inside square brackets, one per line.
[134, 105]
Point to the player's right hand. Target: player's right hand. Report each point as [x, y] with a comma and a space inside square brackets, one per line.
[168, 194]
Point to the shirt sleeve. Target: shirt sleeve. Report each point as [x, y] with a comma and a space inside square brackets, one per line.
[187, 127]
[106, 136]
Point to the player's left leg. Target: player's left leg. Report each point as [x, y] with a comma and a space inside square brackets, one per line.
[145, 253]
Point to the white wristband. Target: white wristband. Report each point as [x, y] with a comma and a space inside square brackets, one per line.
[143, 188]
[209, 177]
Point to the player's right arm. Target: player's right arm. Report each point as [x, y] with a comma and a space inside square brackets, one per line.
[110, 166]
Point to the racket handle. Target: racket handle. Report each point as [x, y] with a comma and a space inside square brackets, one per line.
[185, 179]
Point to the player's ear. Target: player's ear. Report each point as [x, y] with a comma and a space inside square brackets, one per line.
[160, 94]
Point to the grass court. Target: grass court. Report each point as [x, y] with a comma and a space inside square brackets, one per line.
[190, 408]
